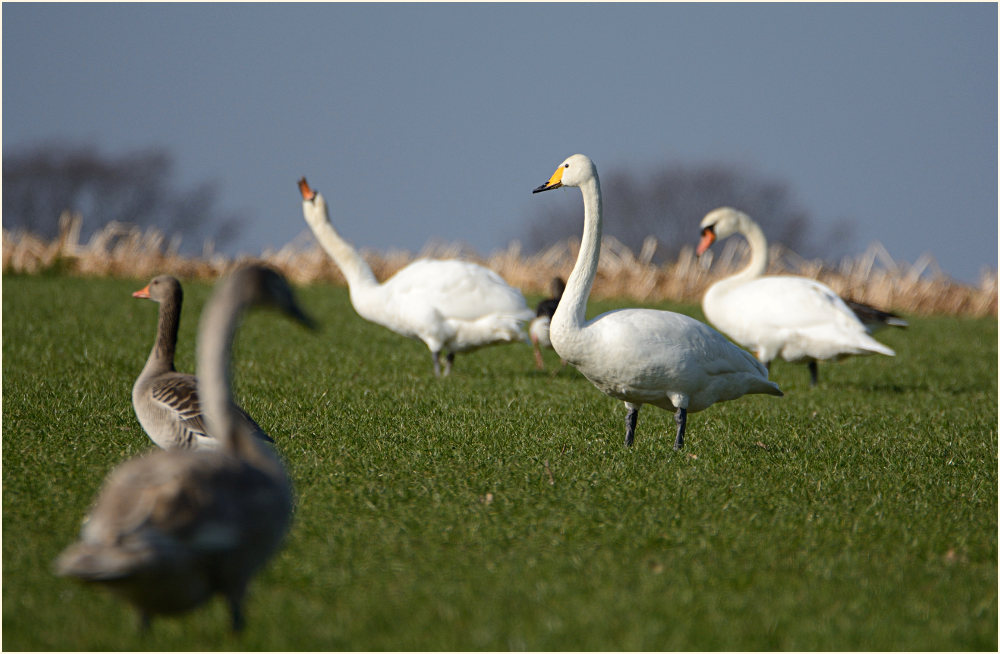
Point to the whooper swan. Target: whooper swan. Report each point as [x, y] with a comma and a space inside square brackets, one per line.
[642, 356]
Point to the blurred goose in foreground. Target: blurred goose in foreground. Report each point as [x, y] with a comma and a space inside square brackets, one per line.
[538, 330]
[452, 306]
[171, 528]
[166, 401]
[795, 318]
[642, 356]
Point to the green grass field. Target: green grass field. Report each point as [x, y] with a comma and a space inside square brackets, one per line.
[498, 508]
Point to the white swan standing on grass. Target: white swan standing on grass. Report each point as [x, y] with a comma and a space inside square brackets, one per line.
[642, 356]
[795, 318]
[452, 306]
[166, 401]
[172, 528]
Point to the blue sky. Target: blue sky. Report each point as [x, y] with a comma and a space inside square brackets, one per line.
[434, 122]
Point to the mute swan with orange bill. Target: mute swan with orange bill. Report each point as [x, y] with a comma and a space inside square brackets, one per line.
[795, 318]
[452, 306]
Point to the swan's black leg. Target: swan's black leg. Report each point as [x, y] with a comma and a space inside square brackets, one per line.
[680, 417]
[630, 420]
[436, 356]
[813, 372]
[448, 361]
[145, 622]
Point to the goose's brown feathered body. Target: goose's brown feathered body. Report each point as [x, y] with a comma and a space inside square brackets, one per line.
[166, 401]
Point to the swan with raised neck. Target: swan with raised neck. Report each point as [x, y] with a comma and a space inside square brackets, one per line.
[451, 306]
[642, 356]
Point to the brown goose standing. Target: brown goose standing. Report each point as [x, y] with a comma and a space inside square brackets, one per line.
[171, 528]
[166, 401]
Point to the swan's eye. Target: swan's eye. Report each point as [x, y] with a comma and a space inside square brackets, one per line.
[566, 165]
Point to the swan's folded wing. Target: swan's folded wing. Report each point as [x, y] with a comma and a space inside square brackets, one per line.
[774, 303]
[459, 289]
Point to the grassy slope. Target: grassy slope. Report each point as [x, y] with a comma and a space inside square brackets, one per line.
[498, 509]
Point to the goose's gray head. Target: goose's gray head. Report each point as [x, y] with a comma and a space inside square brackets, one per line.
[261, 286]
[161, 288]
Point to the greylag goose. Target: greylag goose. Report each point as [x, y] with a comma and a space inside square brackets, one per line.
[538, 330]
[452, 306]
[171, 528]
[795, 318]
[166, 401]
[642, 356]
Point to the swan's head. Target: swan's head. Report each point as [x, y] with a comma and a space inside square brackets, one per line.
[313, 204]
[718, 224]
[573, 172]
[160, 289]
[257, 285]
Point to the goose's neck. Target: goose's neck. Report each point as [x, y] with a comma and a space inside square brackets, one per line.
[572, 310]
[758, 252]
[161, 357]
[215, 343]
[356, 270]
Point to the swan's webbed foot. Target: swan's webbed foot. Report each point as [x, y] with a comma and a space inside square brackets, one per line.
[813, 372]
[680, 417]
[630, 420]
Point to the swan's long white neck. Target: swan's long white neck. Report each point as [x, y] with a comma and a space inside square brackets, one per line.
[356, 270]
[758, 253]
[572, 311]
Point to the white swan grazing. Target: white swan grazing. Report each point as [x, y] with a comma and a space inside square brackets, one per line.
[452, 306]
[642, 356]
[795, 318]
[171, 528]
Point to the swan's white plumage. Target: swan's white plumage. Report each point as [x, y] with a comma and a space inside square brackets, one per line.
[795, 318]
[642, 356]
[451, 305]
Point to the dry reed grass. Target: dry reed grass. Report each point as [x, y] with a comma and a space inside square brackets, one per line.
[873, 277]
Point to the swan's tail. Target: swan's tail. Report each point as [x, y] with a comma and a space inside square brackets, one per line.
[869, 345]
